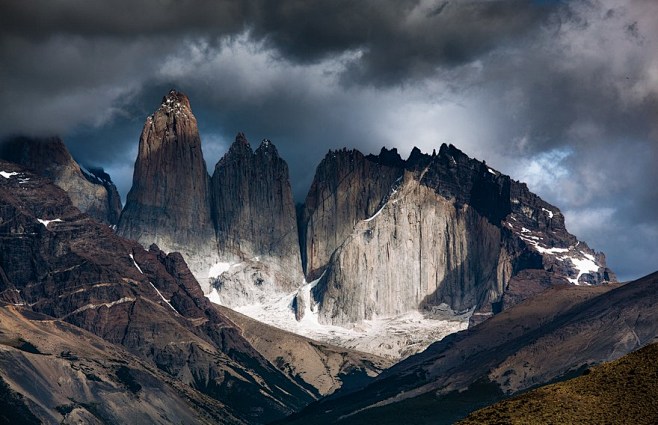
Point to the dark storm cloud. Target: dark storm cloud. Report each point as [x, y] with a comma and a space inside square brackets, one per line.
[562, 94]
[120, 18]
[399, 40]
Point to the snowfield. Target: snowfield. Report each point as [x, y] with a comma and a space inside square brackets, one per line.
[391, 337]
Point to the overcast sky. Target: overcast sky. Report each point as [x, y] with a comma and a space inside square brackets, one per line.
[560, 94]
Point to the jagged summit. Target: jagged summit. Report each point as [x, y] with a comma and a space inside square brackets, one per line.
[266, 146]
[175, 103]
[255, 221]
[240, 148]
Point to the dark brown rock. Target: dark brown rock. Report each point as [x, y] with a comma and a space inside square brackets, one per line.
[75, 269]
[169, 202]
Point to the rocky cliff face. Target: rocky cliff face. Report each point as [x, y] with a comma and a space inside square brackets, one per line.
[60, 263]
[92, 191]
[255, 220]
[448, 230]
[347, 187]
[169, 202]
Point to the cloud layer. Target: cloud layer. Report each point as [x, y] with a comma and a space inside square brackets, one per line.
[563, 95]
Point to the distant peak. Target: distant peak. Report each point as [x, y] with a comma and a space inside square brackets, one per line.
[240, 146]
[266, 146]
[175, 102]
[240, 138]
[390, 157]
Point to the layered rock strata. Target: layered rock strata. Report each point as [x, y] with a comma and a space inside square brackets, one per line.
[58, 263]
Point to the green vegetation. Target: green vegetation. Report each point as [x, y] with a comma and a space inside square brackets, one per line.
[623, 391]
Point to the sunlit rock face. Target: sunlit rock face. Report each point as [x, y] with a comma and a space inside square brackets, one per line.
[169, 202]
[237, 230]
[440, 229]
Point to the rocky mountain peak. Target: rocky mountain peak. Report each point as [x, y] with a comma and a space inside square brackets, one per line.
[169, 202]
[175, 102]
[267, 148]
[389, 157]
[92, 191]
[255, 221]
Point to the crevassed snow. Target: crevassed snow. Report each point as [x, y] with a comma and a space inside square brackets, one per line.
[392, 337]
[7, 175]
[135, 263]
[549, 212]
[216, 270]
[47, 222]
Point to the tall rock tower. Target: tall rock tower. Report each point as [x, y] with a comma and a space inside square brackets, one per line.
[254, 215]
[169, 202]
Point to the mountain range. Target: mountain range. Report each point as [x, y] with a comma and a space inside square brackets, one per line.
[433, 284]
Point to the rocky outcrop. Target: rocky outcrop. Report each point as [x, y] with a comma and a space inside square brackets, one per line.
[255, 220]
[449, 230]
[418, 251]
[59, 262]
[91, 190]
[169, 202]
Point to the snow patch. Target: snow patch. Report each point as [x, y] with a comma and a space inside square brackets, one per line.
[47, 222]
[163, 298]
[135, 263]
[377, 213]
[216, 270]
[549, 212]
[7, 175]
[492, 171]
[393, 337]
[583, 265]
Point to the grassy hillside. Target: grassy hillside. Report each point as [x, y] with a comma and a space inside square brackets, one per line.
[622, 391]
